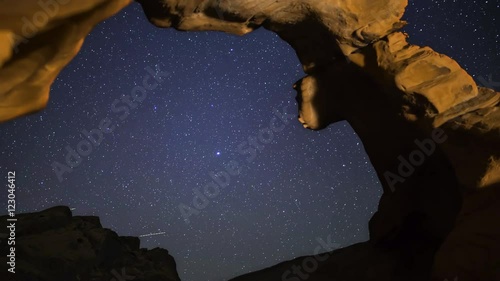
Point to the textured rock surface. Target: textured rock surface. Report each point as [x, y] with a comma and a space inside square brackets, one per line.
[52, 245]
[440, 219]
[37, 40]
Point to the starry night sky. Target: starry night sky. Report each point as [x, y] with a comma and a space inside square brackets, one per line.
[220, 91]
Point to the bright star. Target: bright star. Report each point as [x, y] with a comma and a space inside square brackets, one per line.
[218, 153]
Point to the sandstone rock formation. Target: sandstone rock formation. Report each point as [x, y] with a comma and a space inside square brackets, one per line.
[437, 219]
[432, 135]
[37, 40]
[53, 245]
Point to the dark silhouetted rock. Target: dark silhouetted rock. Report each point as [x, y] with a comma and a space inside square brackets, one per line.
[52, 245]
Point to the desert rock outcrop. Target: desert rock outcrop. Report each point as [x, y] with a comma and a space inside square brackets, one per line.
[53, 245]
[37, 40]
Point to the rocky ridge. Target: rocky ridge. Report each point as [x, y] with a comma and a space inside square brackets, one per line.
[53, 245]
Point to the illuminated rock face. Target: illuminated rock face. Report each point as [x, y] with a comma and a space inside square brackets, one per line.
[432, 135]
[37, 40]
